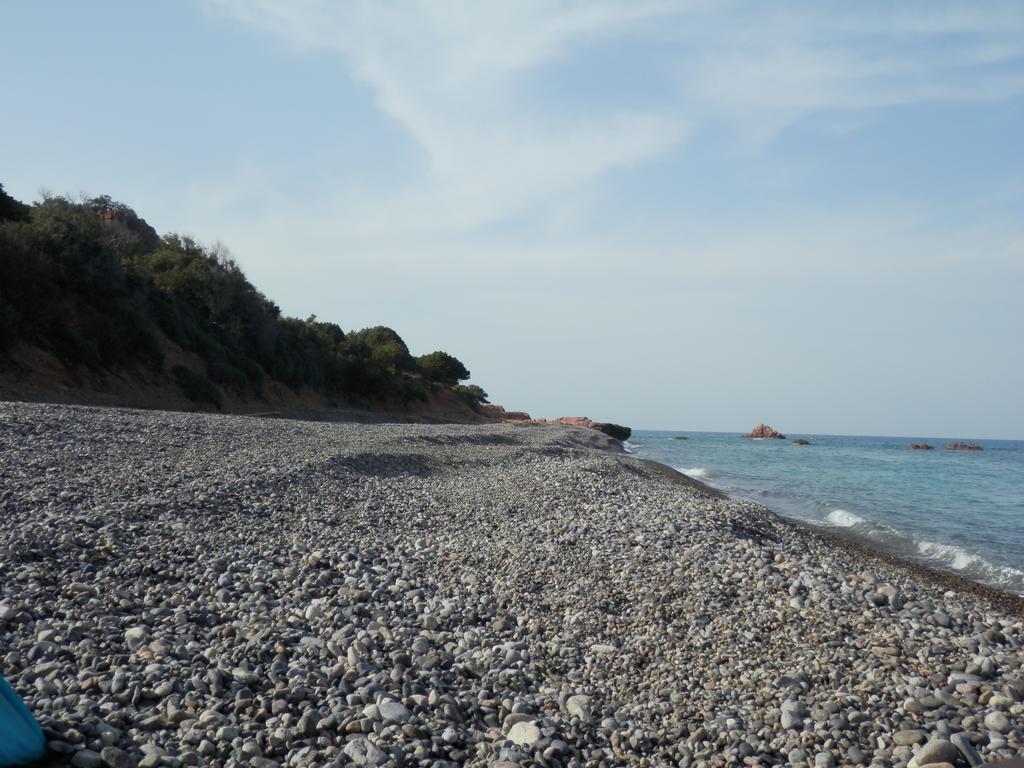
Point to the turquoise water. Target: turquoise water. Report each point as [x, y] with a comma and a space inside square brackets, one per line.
[957, 510]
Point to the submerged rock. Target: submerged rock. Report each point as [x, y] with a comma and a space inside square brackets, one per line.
[762, 431]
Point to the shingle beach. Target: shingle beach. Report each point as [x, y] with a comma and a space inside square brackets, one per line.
[187, 589]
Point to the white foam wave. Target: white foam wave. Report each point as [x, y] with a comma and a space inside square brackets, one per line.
[952, 555]
[974, 566]
[844, 519]
[697, 473]
[630, 447]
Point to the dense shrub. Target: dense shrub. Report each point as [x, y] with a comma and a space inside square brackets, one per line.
[442, 368]
[197, 388]
[471, 393]
[11, 209]
[382, 347]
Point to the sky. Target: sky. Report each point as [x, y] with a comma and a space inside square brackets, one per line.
[669, 214]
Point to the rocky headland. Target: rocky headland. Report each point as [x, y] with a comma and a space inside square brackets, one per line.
[201, 590]
[499, 415]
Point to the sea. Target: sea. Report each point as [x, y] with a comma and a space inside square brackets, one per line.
[959, 511]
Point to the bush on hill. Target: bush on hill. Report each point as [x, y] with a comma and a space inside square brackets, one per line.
[442, 368]
[471, 393]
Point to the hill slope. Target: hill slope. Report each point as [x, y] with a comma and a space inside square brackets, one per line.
[96, 307]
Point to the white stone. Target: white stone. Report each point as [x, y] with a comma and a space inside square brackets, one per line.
[524, 734]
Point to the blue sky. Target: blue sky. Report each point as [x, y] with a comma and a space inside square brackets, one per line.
[680, 215]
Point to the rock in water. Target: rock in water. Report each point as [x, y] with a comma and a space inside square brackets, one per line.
[762, 431]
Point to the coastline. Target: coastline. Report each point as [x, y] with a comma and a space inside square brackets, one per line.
[274, 592]
[862, 547]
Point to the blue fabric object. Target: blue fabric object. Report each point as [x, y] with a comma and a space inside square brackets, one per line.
[21, 738]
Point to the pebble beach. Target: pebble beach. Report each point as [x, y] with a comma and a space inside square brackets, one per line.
[198, 590]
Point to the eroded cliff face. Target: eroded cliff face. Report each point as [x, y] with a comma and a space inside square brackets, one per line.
[31, 374]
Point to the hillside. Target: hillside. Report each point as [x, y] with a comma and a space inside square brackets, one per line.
[96, 307]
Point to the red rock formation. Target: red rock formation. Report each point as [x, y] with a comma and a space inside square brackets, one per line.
[964, 447]
[574, 421]
[498, 413]
[763, 430]
[920, 446]
[517, 416]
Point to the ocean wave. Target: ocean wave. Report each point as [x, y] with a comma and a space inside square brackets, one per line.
[950, 554]
[972, 565]
[697, 473]
[630, 447]
[844, 519]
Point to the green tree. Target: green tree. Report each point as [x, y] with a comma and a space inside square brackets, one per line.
[382, 347]
[471, 393]
[442, 368]
[11, 209]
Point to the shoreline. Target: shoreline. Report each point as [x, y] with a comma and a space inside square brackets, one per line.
[190, 589]
[862, 547]
[871, 547]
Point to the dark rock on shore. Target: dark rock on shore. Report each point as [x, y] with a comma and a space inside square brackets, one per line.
[764, 431]
[617, 431]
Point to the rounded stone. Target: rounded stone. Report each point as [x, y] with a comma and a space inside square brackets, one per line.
[935, 751]
[998, 722]
[86, 758]
[525, 734]
[908, 737]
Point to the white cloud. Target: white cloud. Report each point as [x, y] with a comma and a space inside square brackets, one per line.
[456, 75]
[449, 74]
[768, 66]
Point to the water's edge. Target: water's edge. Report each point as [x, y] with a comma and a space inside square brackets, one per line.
[860, 547]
